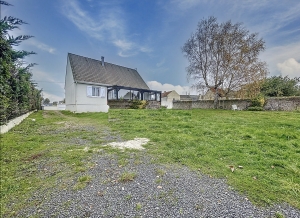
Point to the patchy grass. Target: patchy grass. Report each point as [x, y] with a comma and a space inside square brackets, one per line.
[127, 177]
[265, 144]
[138, 206]
[51, 151]
[82, 182]
[35, 155]
[160, 172]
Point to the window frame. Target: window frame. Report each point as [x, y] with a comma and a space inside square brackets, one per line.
[96, 92]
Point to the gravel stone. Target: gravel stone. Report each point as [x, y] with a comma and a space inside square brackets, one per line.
[182, 193]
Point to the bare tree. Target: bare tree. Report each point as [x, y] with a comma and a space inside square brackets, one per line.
[223, 56]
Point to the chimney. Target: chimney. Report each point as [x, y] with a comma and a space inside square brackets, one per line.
[102, 61]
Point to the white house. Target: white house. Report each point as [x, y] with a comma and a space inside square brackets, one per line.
[167, 98]
[88, 83]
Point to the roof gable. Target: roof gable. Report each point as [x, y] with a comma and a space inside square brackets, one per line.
[90, 70]
[165, 94]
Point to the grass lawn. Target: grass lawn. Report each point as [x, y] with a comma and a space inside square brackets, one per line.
[50, 151]
[46, 153]
[266, 146]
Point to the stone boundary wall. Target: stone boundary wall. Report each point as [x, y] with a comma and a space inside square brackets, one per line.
[274, 103]
[125, 104]
[283, 104]
[14, 122]
[121, 104]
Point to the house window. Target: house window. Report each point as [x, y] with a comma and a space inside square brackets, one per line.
[95, 91]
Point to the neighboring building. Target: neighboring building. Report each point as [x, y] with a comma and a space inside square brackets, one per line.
[167, 98]
[210, 94]
[189, 97]
[89, 82]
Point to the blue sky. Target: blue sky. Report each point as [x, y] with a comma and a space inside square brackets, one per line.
[147, 35]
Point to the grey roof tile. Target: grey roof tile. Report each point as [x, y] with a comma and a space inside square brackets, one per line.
[90, 70]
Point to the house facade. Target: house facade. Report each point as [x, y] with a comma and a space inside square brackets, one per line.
[89, 82]
[167, 98]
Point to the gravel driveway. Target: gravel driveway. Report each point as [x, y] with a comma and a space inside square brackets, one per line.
[156, 191]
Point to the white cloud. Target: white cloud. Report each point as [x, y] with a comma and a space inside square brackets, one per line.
[159, 64]
[289, 68]
[123, 44]
[276, 55]
[38, 75]
[109, 26]
[41, 45]
[52, 89]
[181, 90]
[185, 4]
[145, 49]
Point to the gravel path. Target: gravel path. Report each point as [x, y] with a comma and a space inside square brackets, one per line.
[156, 191]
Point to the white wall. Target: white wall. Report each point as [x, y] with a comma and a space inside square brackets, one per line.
[168, 101]
[14, 122]
[69, 88]
[89, 104]
[77, 99]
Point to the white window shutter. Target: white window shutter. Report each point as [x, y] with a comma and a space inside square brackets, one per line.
[89, 91]
[102, 92]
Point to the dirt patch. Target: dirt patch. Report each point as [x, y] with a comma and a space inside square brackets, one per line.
[132, 144]
[48, 114]
[33, 157]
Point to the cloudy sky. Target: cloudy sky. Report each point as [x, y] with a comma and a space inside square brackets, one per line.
[146, 34]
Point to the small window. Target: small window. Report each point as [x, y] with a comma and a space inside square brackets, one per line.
[94, 91]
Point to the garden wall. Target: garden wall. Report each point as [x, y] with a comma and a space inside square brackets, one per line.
[125, 104]
[284, 103]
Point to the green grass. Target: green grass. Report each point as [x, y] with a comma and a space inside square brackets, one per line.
[82, 182]
[127, 177]
[265, 144]
[35, 155]
[138, 206]
[50, 152]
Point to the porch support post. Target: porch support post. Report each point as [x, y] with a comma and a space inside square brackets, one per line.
[117, 90]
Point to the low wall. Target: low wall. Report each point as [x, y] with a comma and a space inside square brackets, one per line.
[153, 105]
[12, 123]
[125, 104]
[121, 104]
[284, 104]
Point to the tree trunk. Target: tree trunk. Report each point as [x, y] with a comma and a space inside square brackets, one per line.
[216, 100]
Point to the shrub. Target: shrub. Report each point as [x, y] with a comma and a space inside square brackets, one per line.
[138, 104]
[256, 108]
[258, 101]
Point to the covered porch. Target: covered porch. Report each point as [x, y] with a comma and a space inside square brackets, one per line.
[128, 93]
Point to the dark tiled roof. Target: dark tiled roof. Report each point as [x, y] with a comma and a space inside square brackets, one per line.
[165, 94]
[90, 70]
